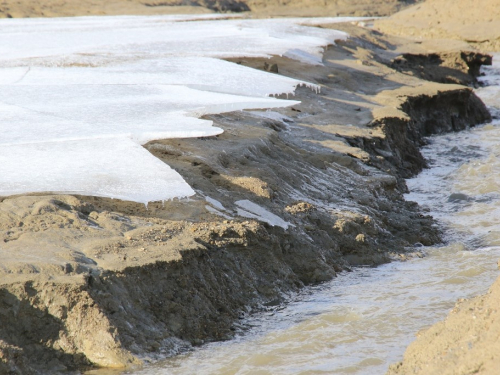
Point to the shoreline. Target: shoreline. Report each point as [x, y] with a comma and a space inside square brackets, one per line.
[136, 280]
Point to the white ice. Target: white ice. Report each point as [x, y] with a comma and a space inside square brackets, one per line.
[207, 74]
[54, 42]
[119, 169]
[271, 115]
[142, 113]
[217, 212]
[252, 210]
[78, 96]
[215, 203]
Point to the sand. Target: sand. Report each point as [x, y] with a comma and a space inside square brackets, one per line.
[477, 23]
[260, 8]
[465, 343]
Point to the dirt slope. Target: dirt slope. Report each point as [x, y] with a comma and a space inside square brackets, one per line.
[477, 22]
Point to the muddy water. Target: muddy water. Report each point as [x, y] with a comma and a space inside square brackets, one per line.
[362, 321]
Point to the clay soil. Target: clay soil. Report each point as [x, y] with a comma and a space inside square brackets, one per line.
[91, 282]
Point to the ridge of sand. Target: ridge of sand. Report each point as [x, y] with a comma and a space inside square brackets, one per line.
[475, 22]
[260, 8]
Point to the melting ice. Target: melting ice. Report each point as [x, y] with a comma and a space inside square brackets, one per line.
[80, 95]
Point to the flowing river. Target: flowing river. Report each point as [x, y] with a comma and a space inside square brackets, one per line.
[362, 321]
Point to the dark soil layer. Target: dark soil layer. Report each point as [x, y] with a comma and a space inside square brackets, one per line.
[444, 67]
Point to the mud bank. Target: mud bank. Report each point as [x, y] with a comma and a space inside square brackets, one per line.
[283, 200]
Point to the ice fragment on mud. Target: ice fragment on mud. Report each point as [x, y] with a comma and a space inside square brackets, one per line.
[254, 211]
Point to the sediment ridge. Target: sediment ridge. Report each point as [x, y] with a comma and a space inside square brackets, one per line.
[284, 199]
[466, 342]
[297, 8]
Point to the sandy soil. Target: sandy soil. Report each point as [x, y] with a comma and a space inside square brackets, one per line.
[88, 281]
[465, 343]
[467, 20]
[260, 8]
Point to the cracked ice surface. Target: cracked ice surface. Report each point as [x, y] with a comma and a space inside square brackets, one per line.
[78, 96]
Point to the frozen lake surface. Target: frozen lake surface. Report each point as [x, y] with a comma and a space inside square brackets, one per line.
[80, 95]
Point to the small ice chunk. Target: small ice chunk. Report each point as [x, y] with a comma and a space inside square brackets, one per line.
[271, 115]
[215, 203]
[254, 211]
[316, 21]
[305, 57]
[217, 212]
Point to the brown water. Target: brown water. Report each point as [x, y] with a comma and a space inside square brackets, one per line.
[362, 321]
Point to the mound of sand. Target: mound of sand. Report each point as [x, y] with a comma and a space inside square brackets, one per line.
[261, 8]
[475, 22]
[465, 343]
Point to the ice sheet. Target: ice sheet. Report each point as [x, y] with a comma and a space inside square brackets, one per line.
[55, 42]
[78, 96]
[207, 74]
[143, 113]
[119, 169]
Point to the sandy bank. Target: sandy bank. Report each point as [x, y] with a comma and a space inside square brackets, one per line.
[477, 23]
[88, 281]
[260, 8]
[467, 341]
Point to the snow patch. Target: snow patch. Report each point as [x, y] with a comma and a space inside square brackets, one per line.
[119, 169]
